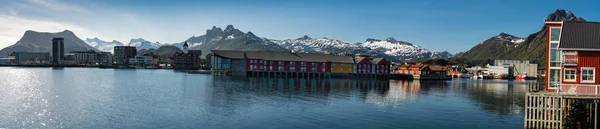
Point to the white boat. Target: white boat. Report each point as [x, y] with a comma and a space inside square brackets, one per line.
[465, 75]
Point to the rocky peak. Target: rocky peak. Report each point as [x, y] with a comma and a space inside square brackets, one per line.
[137, 40]
[562, 15]
[372, 40]
[250, 34]
[305, 37]
[229, 28]
[214, 31]
[391, 40]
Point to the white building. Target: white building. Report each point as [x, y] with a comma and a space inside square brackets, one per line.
[140, 60]
[520, 67]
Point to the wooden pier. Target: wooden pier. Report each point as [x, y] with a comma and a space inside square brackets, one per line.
[558, 110]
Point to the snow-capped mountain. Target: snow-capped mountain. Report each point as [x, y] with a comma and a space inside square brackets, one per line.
[229, 39]
[141, 43]
[319, 45]
[389, 48]
[103, 45]
[510, 38]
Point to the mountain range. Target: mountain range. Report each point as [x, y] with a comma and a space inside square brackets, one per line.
[506, 46]
[501, 46]
[33, 41]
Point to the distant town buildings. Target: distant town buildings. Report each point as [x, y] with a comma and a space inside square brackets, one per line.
[58, 50]
[141, 61]
[23, 57]
[519, 67]
[91, 57]
[123, 54]
[188, 59]
[7, 61]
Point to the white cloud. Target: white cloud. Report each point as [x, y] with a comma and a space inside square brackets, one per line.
[13, 28]
[57, 5]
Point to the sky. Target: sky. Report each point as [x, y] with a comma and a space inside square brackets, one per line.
[451, 25]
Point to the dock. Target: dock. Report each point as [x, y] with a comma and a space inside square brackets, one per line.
[558, 110]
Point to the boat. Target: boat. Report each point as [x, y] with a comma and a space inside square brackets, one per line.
[521, 77]
[465, 75]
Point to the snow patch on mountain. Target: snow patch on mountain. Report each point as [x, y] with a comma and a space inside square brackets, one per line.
[103, 45]
[141, 43]
[510, 38]
[389, 48]
[392, 47]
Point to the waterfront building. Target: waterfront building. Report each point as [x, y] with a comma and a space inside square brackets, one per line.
[188, 59]
[520, 67]
[382, 66]
[368, 65]
[91, 57]
[58, 50]
[140, 61]
[241, 62]
[23, 57]
[7, 61]
[573, 57]
[421, 69]
[412, 69]
[85, 57]
[123, 54]
[105, 58]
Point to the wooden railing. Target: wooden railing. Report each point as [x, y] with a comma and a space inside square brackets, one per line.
[579, 89]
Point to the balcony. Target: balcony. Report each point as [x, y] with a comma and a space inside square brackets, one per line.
[569, 59]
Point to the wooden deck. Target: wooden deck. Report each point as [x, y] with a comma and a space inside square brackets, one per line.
[557, 110]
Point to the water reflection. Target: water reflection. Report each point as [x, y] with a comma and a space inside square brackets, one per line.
[502, 97]
[497, 96]
[115, 98]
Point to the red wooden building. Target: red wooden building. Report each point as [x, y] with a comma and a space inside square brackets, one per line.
[422, 69]
[573, 57]
[242, 62]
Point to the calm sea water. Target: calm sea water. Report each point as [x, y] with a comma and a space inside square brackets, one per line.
[111, 98]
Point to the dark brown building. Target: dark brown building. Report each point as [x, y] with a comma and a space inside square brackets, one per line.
[188, 59]
[123, 53]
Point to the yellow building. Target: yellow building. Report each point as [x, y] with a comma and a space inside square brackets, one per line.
[342, 67]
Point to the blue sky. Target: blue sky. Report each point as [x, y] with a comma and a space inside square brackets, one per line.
[454, 25]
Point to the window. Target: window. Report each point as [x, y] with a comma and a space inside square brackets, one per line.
[587, 75]
[342, 69]
[554, 34]
[341, 64]
[332, 64]
[570, 75]
[332, 69]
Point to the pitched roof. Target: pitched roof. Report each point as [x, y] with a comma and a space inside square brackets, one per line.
[580, 35]
[283, 56]
[378, 60]
[437, 68]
